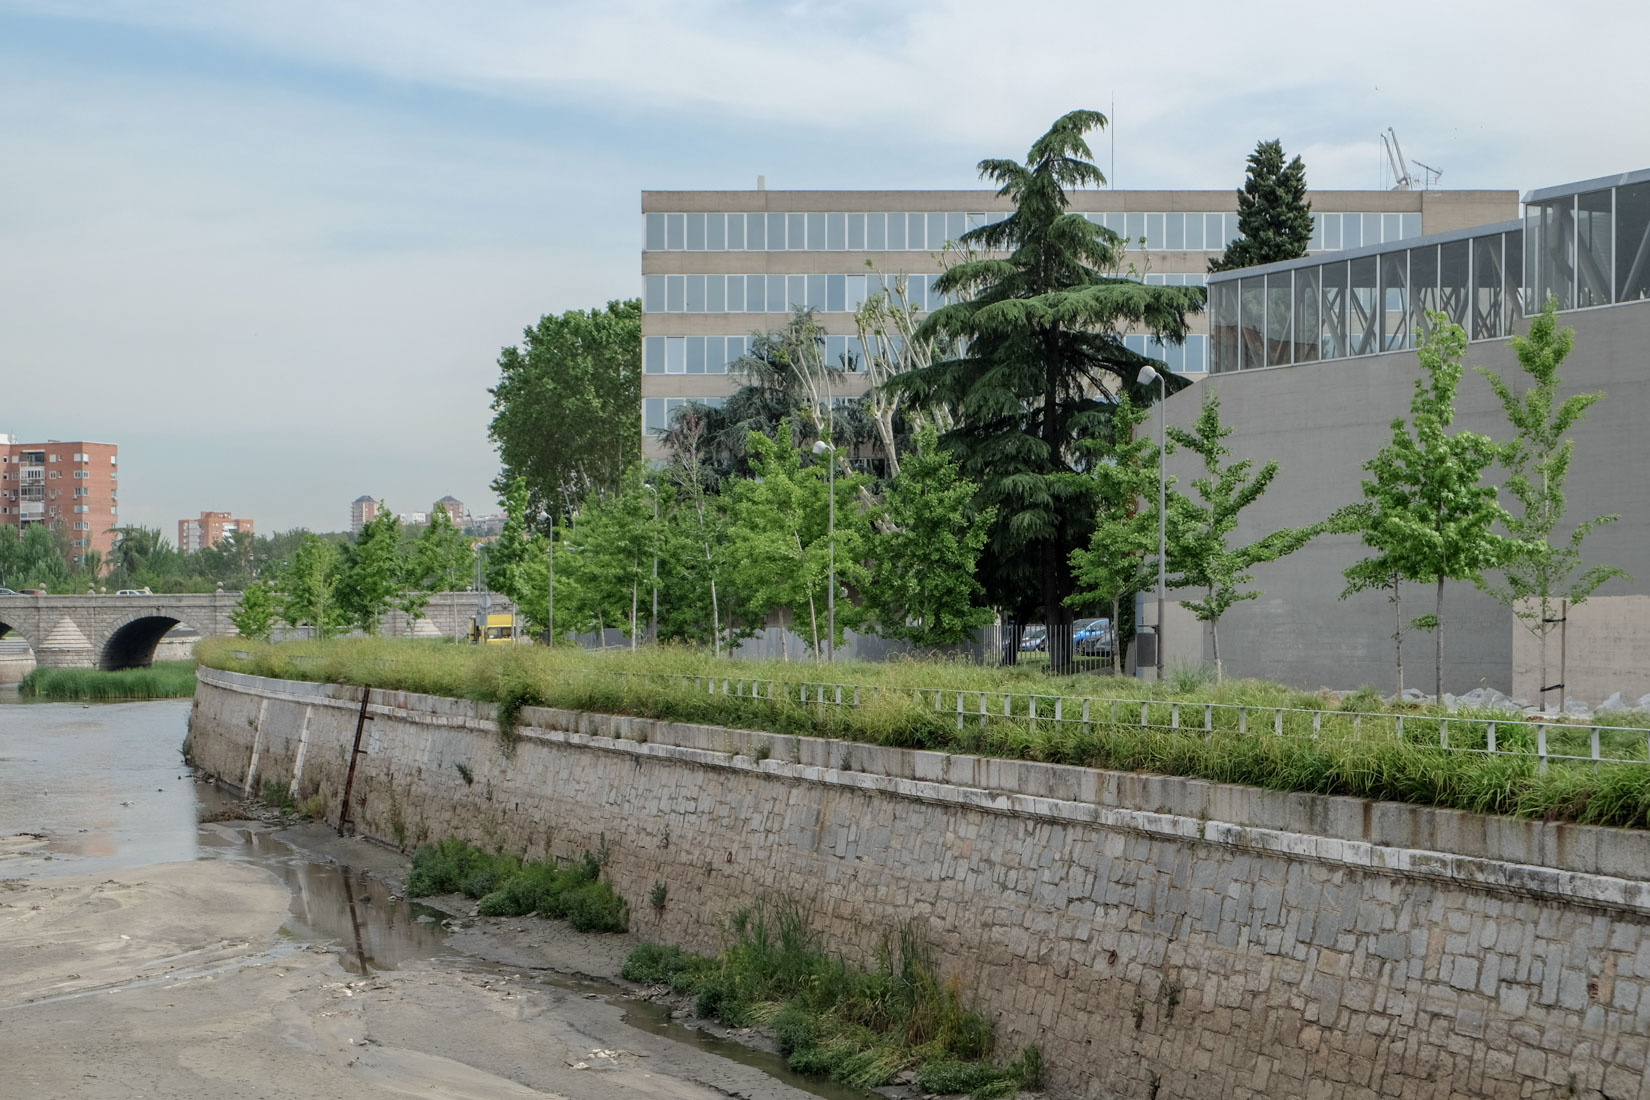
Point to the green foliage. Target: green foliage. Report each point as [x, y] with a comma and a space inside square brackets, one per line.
[509, 887]
[161, 680]
[859, 1027]
[1121, 480]
[1042, 358]
[309, 587]
[518, 561]
[1537, 573]
[923, 588]
[276, 795]
[780, 538]
[254, 617]
[370, 575]
[1274, 217]
[440, 559]
[566, 410]
[1199, 554]
[1435, 517]
[609, 567]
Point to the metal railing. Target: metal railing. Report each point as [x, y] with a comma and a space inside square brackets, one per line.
[1488, 733]
[1483, 734]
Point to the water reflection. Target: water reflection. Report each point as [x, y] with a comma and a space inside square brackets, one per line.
[333, 904]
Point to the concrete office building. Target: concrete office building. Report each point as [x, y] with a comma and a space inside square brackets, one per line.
[361, 512]
[208, 530]
[718, 266]
[1313, 359]
[74, 483]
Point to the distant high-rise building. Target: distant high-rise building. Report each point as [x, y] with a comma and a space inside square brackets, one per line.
[71, 482]
[361, 512]
[456, 511]
[209, 530]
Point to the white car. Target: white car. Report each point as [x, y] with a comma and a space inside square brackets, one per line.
[128, 592]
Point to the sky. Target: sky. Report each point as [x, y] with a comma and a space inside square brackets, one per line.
[272, 247]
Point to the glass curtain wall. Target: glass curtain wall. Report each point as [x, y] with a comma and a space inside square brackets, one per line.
[1593, 239]
[1633, 242]
[1488, 303]
[1453, 258]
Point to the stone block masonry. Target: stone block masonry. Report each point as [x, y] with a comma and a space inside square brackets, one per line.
[1155, 936]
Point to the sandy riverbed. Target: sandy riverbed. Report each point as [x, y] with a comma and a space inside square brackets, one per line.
[177, 980]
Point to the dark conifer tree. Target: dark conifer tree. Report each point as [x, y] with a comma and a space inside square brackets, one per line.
[1040, 316]
[1273, 214]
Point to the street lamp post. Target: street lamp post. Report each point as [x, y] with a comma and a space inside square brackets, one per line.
[821, 448]
[652, 536]
[1146, 377]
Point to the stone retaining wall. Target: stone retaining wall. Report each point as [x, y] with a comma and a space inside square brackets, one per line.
[1156, 936]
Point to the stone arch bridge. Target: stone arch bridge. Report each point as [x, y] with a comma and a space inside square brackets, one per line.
[110, 631]
[122, 631]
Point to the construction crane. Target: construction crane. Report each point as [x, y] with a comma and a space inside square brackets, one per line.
[1401, 179]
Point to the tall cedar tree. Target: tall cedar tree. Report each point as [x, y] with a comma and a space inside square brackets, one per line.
[567, 407]
[1438, 525]
[1039, 323]
[1273, 214]
[1537, 461]
[1200, 556]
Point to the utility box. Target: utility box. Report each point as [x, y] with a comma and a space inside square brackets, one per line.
[1145, 647]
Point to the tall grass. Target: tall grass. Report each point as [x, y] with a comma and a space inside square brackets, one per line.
[507, 886]
[860, 1027]
[897, 710]
[162, 680]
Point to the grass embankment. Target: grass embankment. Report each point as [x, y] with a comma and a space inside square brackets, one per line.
[897, 709]
[162, 680]
[507, 886]
[860, 1027]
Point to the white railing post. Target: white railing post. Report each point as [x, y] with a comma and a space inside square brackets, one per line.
[1491, 738]
[1174, 716]
[1243, 719]
[1277, 721]
[1541, 745]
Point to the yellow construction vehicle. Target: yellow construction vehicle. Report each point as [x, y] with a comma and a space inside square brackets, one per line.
[491, 629]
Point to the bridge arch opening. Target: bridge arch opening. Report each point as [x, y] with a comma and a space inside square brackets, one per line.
[17, 657]
[133, 643]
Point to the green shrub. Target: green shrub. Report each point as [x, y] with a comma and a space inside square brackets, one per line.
[161, 680]
[509, 887]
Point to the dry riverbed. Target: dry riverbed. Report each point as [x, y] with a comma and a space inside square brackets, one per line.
[204, 979]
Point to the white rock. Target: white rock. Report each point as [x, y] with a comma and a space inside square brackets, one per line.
[1615, 702]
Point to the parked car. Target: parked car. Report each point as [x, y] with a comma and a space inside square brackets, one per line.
[1033, 636]
[1095, 638]
[32, 592]
[7, 592]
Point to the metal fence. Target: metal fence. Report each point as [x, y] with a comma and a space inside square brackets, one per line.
[1483, 733]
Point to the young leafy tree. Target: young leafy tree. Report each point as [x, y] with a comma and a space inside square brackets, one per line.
[567, 407]
[1041, 358]
[371, 574]
[1371, 519]
[254, 617]
[1273, 214]
[1538, 573]
[309, 586]
[922, 587]
[518, 561]
[619, 540]
[1121, 479]
[779, 541]
[1201, 556]
[1440, 519]
[440, 559]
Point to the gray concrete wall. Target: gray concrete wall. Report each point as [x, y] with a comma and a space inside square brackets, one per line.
[1155, 936]
[1322, 421]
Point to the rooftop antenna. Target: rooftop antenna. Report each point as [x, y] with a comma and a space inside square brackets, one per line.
[1430, 175]
[1401, 179]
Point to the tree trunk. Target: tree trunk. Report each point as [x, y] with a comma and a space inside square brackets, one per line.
[1541, 637]
[1398, 636]
[633, 587]
[1438, 645]
[1214, 639]
[1056, 640]
[715, 620]
[1116, 639]
[813, 625]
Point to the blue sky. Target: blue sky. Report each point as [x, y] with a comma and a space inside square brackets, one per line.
[272, 247]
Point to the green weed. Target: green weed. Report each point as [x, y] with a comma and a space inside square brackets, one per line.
[161, 680]
[506, 886]
[857, 1026]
